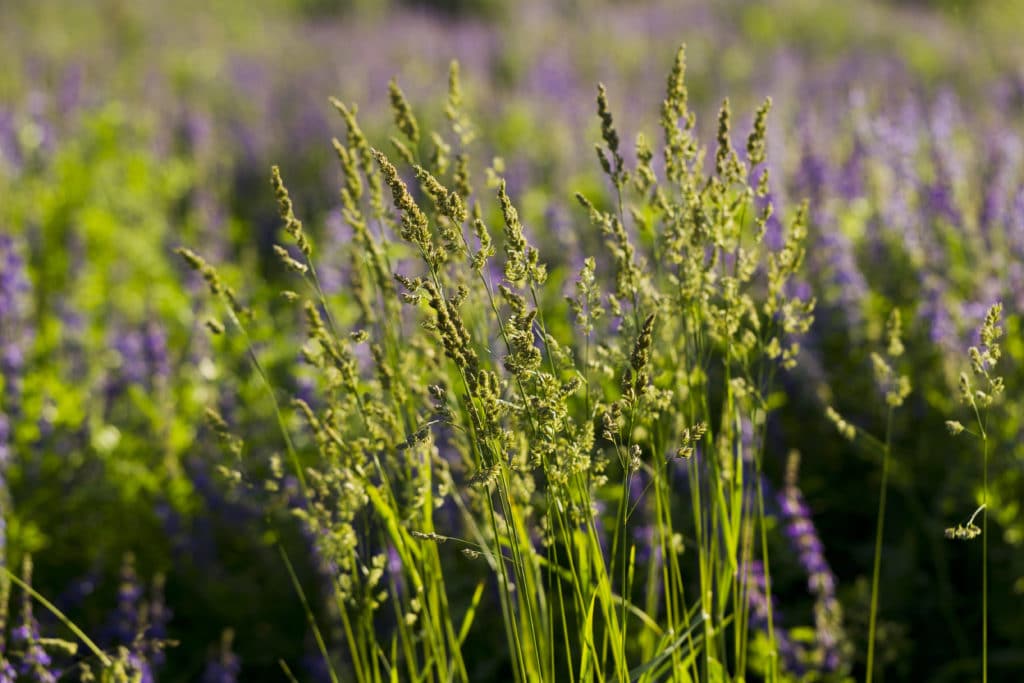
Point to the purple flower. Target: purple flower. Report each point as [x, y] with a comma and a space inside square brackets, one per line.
[834, 262]
[124, 625]
[10, 152]
[812, 178]
[314, 667]
[5, 438]
[394, 565]
[821, 582]
[144, 357]
[156, 633]
[155, 350]
[137, 664]
[15, 331]
[136, 626]
[35, 664]
[644, 537]
[225, 666]
[757, 598]
[773, 233]
[332, 268]
[644, 534]
[934, 312]
[940, 203]
[129, 346]
[1003, 210]
[77, 591]
[1015, 224]
[849, 182]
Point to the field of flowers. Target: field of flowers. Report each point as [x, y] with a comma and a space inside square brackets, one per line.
[460, 340]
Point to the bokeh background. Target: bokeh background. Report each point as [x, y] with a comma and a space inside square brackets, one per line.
[130, 127]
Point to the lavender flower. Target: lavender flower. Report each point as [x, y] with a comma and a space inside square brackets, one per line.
[139, 627]
[138, 665]
[155, 634]
[154, 344]
[999, 196]
[129, 597]
[35, 664]
[15, 331]
[821, 581]
[144, 358]
[933, 311]
[15, 335]
[394, 568]
[225, 666]
[10, 154]
[773, 234]
[759, 608]
[846, 275]
[5, 439]
[849, 181]
[129, 346]
[812, 178]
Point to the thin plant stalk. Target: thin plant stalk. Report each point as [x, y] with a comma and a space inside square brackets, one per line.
[876, 570]
[984, 558]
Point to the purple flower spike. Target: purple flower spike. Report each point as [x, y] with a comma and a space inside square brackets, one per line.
[759, 607]
[35, 664]
[821, 581]
[225, 666]
[15, 331]
[129, 596]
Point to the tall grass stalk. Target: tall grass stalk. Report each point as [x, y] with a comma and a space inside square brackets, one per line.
[879, 531]
[981, 394]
